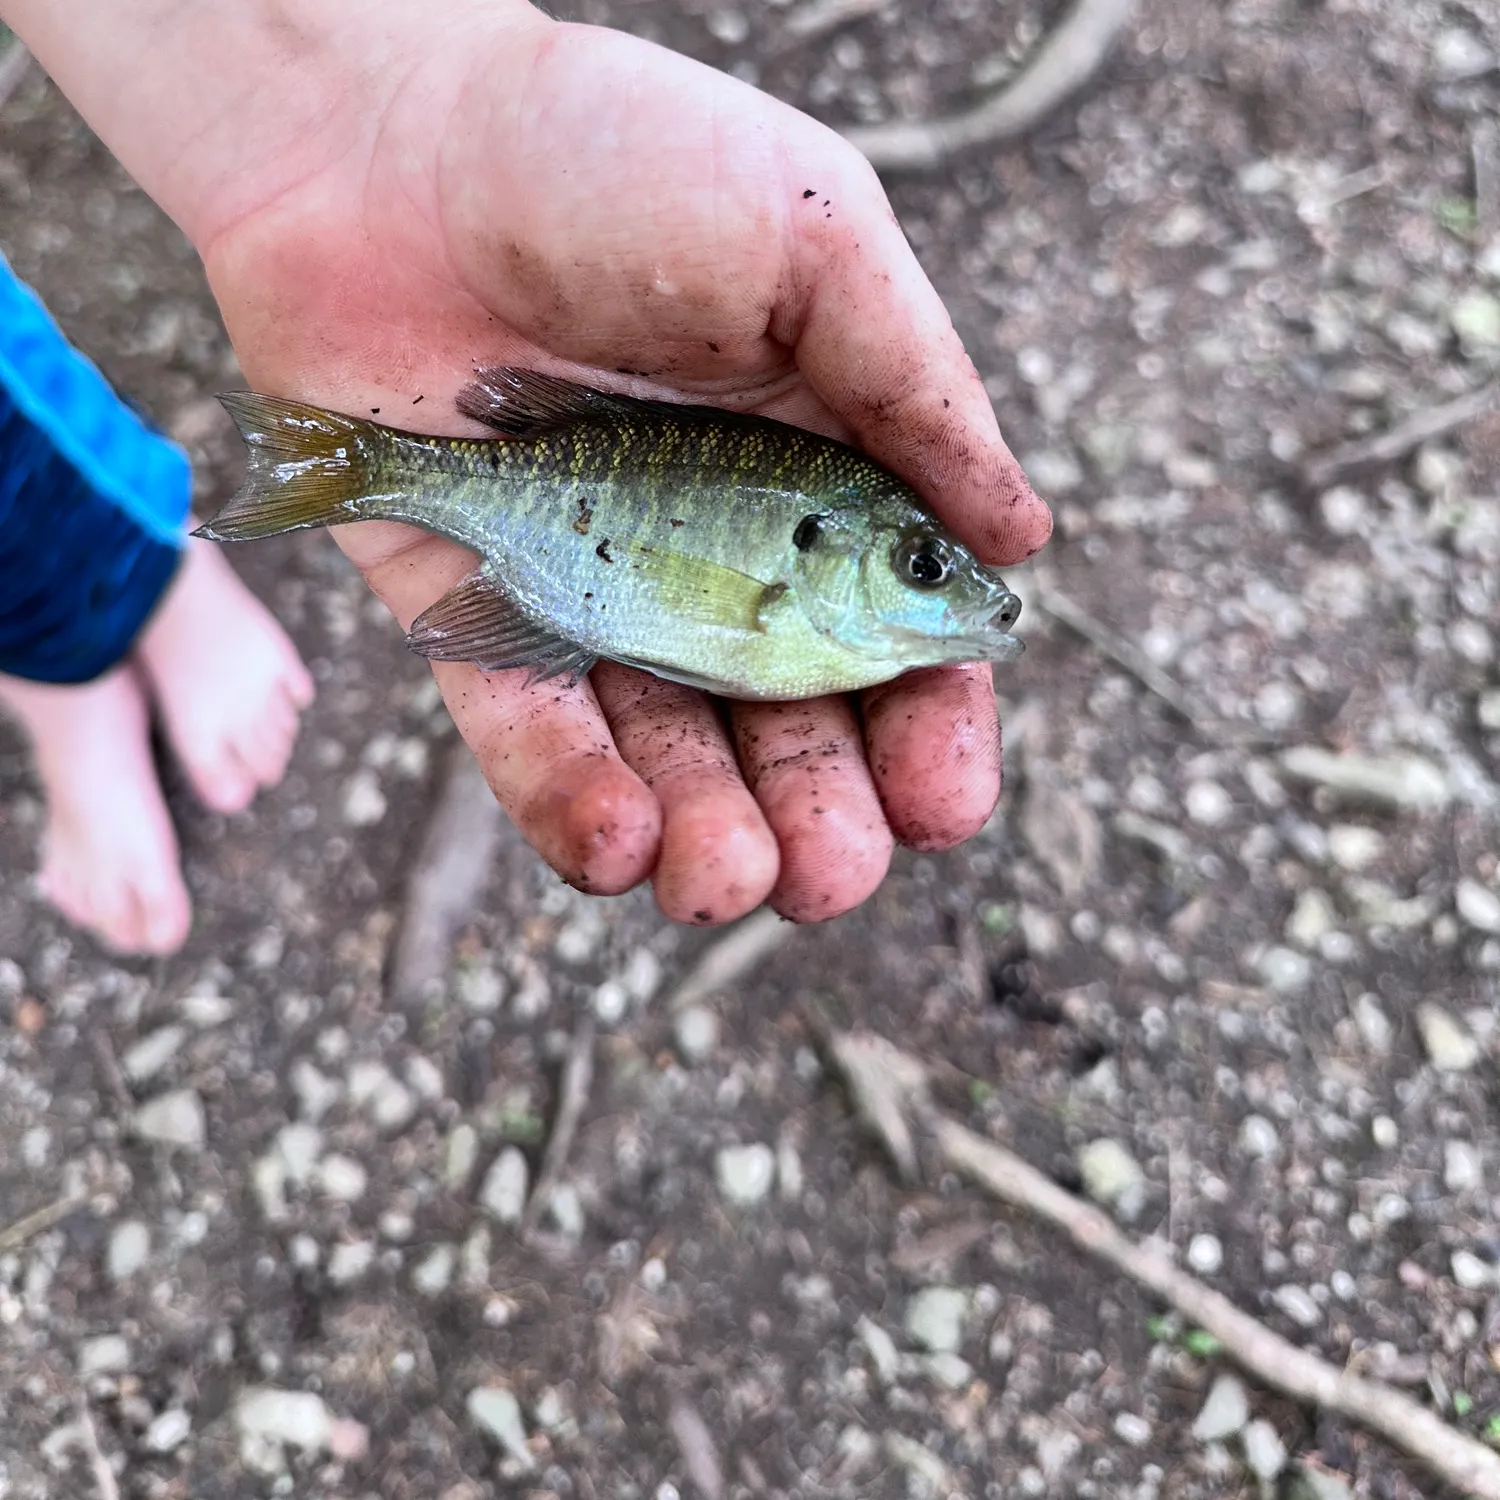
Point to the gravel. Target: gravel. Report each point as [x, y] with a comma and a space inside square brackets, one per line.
[173, 1119]
[1450, 1046]
[935, 1318]
[1224, 1413]
[502, 1195]
[745, 1174]
[497, 1413]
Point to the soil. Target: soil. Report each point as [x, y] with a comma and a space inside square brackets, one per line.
[1257, 235]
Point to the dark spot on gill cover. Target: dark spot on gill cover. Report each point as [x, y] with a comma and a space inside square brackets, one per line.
[602, 551]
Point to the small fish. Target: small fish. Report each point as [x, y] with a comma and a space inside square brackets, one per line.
[732, 553]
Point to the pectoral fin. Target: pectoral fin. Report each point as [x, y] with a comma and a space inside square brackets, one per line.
[709, 593]
[476, 621]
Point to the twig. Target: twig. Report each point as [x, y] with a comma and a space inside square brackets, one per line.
[1064, 62]
[820, 16]
[39, 1220]
[577, 1079]
[448, 878]
[700, 1457]
[1135, 661]
[1454, 1457]
[15, 64]
[104, 1476]
[738, 951]
[1386, 447]
[109, 1069]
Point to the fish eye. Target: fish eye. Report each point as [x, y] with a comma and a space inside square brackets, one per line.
[809, 528]
[1008, 613]
[924, 561]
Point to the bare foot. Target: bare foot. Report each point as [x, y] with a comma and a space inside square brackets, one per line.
[109, 854]
[226, 679]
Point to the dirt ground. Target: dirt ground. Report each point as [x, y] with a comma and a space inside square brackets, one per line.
[1270, 227]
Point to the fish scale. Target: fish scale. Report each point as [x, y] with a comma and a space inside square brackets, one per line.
[734, 553]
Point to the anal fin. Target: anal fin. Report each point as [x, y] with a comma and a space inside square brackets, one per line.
[476, 621]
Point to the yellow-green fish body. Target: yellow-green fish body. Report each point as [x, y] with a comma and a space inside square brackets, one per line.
[734, 553]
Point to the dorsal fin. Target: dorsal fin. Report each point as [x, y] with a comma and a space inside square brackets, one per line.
[526, 403]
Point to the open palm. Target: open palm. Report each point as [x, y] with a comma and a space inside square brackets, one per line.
[528, 193]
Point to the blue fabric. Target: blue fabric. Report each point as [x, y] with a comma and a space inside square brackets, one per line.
[92, 504]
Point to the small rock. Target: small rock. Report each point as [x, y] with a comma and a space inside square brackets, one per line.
[1385, 1132]
[1312, 919]
[460, 1156]
[1113, 1177]
[174, 1119]
[935, 1318]
[1265, 1453]
[1462, 1170]
[696, 1029]
[1342, 509]
[349, 1261]
[168, 1432]
[1470, 1272]
[744, 1174]
[1224, 1413]
[729, 26]
[565, 1209]
[342, 1177]
[434, 1272]
[364, 803]
[152, 1053]
[503, 1192]
[268, 1183]
[1132, 1429]
[882, 1349]
[1258, 1137]
[1449, 1045]
[495, 1410]
[1353, 847]
[129, 1246]
[1379, 906]
[1457, 55]
[1205, 1254]
[1297, 1303]
[1476, 320]
[425, 1077]
[641, 975]
[1399, 781]
[1284, 969]
[1478, 905]
[108, 1354]
[299, 1418]
[1208, 804]
[1374, 1027]
[480, 989]
[611, 1001]
[298, 1146]
[1488, 709]
[950, 1371]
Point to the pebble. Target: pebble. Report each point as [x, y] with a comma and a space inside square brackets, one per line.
[935, 1318]
[495, 1410]
[1354, 847]
[1463, 1172]
[1470, 1272]
[1132, 1429]
[1342, 509]
[1385, 1132]
[1374, 1026]
[315, 1091]
[696, 1029]
[480, 989]
[1224, 1413]
[342, 1177]
[1297, 1303]
[1258, 1137]
[173, 1119]
[1312, 919]
[502, 1195]
[1284, 969]
[1205, 1254]
[350, 1260]
[299, 1145]
[460, 1156]
[950, 1371]
[299, 1418]
[1208, 804]
[206, 1011]
[129, 1246]
[641, 975]
[611, 1002]
[434, 1272]
[1476, 320]
[882, 1349]
[425, 1077]
[1405, 782]
[1457, 54]
[364, 803]
[1449, 1045]
[1488, 709]
[1265, 1453]
[106, 1355]
[152, 1053]
[744, 1174]
[169, 1431]
[268, 1183]
[565, 1209]
[1113, 1177]
[1478, 905]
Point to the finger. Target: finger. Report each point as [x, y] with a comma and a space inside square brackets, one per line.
[875, 342]
[545, 750]
[718, 855]
[934, 743]
[805, 764]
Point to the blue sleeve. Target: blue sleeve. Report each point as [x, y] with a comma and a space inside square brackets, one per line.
[92, 504]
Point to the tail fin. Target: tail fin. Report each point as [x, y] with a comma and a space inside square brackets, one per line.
[308, 467]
